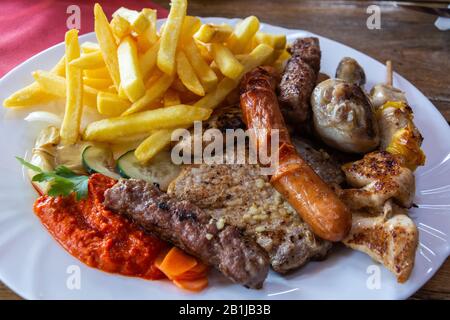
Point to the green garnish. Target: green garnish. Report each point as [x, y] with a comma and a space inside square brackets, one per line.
[63, 181]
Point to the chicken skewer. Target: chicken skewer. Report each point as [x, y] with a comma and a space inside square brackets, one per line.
[305, 191]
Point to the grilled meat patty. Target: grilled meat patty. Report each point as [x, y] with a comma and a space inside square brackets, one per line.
[240, 196]
[299, 79]
[180, 222]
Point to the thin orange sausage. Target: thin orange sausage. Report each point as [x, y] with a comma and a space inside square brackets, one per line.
[316, 203]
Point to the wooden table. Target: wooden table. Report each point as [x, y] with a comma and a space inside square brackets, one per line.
[418, 50]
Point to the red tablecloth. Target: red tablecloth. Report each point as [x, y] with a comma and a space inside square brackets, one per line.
[30, 26]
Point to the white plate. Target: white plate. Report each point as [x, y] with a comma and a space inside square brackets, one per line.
[36, 267]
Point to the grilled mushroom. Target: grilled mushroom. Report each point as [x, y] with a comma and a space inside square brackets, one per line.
[343, 116]
[350, 71]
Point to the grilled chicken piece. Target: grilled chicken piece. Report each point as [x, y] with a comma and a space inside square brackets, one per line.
[242, 197]
[379, 177]
[186, 226]
[390, 240]
[382, 93]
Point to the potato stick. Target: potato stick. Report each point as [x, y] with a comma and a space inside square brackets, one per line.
[109, 104]
[276, 41]
[147, 61]
[91, 60]
[151, 94]
[162, 118]
[179, 86]
[155, 75]
[99, 73]
[171, 98]
[120, 27]
[130, 73]
[88, 47]
[187, 75]
[137, 20]
[213, 33]
[149, 36]
[205, 74]
[204, 51]
[242, 34]
[100, 84]
[70, 127]
[226, 85]
[33, 94]
[227, 63]
[189, 27]
[56, 86]
[107, 44]
[170, 36]
[157, 141]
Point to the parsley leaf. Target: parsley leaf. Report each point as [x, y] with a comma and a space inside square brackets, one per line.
[63, 181]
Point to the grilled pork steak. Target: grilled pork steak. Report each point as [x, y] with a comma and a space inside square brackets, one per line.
[240, 196]
[191, 229]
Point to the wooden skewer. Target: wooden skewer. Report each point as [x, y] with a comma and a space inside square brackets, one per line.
[389, 73]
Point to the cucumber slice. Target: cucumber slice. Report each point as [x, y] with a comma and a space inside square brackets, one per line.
[160, 170]
[99, 160]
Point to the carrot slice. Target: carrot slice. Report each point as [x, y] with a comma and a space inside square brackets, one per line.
[176, 262]
[192, 285]
[188, 275]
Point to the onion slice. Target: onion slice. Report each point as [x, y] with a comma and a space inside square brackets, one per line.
[44, 116]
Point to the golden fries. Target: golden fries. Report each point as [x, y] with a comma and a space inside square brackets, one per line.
[171, 98]
[189, 28]
[170, 36]
[187, 75]
[99, 73]
[88, 47]
[226, 85]
[97, 83]
[205, 74]
[225, 60]
[107, 44]
[156, 142]
[149, 36]
[151, 94]
[110, 104]
[276, 41]
[242, 34]
[137, 20]
[70, 127]
[147, 61]
[56, 87]
[130, 74]
[213, 33]
[120, 27]
[162, 118]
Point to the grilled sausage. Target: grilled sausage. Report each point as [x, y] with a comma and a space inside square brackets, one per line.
[316, 203]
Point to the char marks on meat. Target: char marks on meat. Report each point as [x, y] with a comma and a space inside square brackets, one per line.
[299, 79]
[191, 229]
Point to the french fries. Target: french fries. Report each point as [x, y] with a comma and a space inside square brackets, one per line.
[226, 61]
[92, 60]
[213, 33]
[242, 34]
[205, 74]
[226, 85]
[187, 75]
[55, 86]
[151, 94]
[146, 39]
[162, 118]
[130, 73]
[151, 83]
[107, 44]
[138, 20]
[70, 127]
[171, 98]
[147, 61]
[110, 104]
[170, 36]
[156, 142]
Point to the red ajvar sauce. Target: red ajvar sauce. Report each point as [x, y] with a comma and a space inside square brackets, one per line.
[98, 237]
